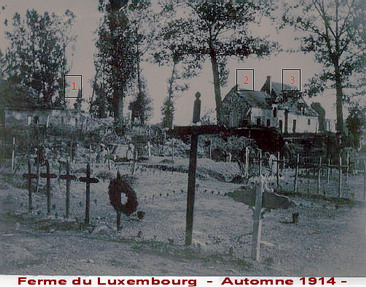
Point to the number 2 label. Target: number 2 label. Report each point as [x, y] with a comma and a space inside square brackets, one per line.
[246, 80]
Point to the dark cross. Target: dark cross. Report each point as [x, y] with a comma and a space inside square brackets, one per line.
[88, 180]
[195, 131]
[71, 150]
[29, 176]
[68, 177]
[48, 176]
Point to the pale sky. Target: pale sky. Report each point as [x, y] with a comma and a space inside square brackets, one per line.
[87, 20]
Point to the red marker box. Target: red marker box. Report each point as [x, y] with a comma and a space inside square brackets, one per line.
[245, 79]
[291, 79]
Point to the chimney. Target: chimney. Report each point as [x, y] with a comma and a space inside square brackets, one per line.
[269, 81]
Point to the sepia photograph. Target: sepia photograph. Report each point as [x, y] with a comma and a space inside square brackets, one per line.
[183, 138]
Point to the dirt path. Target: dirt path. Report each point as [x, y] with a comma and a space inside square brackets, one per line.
[24, 250]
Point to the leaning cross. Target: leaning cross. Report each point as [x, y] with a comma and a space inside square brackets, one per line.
[88, 180]
[260, 198]
[68, 177]
[29, 176]
[48, 176]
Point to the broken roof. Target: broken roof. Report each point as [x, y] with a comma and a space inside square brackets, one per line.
[293, 103]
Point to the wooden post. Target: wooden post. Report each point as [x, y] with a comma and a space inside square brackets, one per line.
[319, 174]
[68, 189]
[296, 172]
[173, 149]
[87, 197]
[30, 200]
[90, 154]
[118, 220]
[278, 170]
[364, 179]
[38, 169]
[328, 171]
[340, 178]
[71, 153]
[257, 222]
[260, 162]
[191, 188]
[38, 153]
[109, 158]
[149, 148]
[68, 177]
[210, 150]
[247, 162]
[135, 155]
[13, 155]
[48, 188]
[347, 169]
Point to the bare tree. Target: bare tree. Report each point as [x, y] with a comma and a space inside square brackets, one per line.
[333, 32]
[216, 30]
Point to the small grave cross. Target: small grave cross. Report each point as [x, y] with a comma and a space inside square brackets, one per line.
[88, 180]
[260, 198]
[29, 176]
[68, 177]
[48, 175]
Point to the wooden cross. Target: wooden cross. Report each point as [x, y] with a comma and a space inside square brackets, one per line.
[194, 132]
[68, 177]
[29, 176]
[88, 180]
[48, 176]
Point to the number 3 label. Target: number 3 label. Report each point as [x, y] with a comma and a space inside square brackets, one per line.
[292, 80]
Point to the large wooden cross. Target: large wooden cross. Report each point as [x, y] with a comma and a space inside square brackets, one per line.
[195, 131]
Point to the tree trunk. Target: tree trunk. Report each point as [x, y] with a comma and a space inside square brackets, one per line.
[217, 88]
[170, 116]
[139, 112]
[339, 101]
[118, 114]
